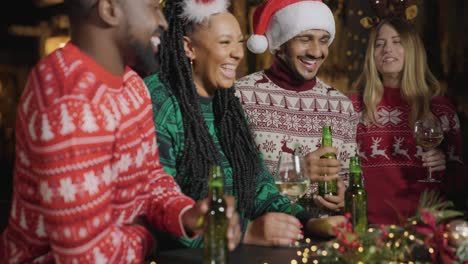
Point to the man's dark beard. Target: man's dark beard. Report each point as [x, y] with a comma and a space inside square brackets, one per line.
[296, 75]
[145, 59]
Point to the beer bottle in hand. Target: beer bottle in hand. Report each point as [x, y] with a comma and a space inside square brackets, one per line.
[356, 197]
[330, 187]
[215, 242]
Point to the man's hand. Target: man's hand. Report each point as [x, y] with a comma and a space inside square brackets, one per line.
[321, 169]
[434, 159]
[193, 221]
[273, 229]
[324, 227]
[332, 202]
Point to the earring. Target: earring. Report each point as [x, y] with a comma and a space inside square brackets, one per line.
[191, 62]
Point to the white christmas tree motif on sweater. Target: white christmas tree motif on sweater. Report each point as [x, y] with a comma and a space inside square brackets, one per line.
[111, 123]
[27, 102]
[130, 255]
[123, 105]
[140, 157]
[375, 149]
[125, 162]
[114, 107]
[32, 131]
[137, 95]
[89, 121]
[46, 192]
[23, 222]
[107, 174]
[392, 116]
[66, 121]
[46, 130]
[67, 190]
[145, 147]
[397, 149]
[40, 229]
[91, 183]
[115, 239]
[135, 103]
[99, 258]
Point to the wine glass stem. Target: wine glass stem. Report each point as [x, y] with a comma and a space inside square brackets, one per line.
[293, 208]
[429, 173]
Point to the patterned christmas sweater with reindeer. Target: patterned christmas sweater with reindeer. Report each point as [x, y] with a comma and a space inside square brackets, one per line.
[285, 114]
[391, 160]
[87, 166]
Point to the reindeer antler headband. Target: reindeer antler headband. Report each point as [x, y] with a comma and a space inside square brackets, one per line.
[406, 9]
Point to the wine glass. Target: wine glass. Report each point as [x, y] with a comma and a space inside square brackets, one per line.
[291, 181]
[428, 134]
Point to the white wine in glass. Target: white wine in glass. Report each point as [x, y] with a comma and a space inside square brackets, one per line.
[428, 134]
[289, 178]
[291, 182]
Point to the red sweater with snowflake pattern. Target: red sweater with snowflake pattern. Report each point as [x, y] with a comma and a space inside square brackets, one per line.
[391, 160]
[87, 166]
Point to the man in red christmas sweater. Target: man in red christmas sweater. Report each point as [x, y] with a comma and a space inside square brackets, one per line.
[287, 105]
[88, 179]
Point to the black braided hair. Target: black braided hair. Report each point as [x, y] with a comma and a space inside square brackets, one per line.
[233, 131]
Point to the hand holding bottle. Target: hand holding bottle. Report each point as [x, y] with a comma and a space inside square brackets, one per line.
[194, 220]
[322, 169]
[333, 202]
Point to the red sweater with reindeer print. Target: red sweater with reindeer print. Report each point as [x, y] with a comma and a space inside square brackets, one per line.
[391, 161]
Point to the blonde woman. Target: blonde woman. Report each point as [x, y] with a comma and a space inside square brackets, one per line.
[396, 88]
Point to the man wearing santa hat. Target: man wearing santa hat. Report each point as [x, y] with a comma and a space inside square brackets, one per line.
[287, 105]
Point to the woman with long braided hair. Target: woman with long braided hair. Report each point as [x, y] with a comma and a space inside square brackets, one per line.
[200, 121]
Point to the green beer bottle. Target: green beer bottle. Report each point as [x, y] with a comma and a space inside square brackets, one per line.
[215, 242]
[330, 187]
[356, 197]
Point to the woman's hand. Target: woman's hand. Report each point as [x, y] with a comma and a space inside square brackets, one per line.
[332, 202]
[434, 159]
[273, 229]
[193, 221]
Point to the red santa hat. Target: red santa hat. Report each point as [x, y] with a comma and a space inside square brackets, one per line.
[277, 21]
[197, 10]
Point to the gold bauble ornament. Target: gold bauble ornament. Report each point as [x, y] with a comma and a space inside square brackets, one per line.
[457, 232]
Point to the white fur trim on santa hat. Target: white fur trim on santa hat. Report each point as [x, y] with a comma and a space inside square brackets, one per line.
[296, 18]
[257, 44]
[197, 11]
